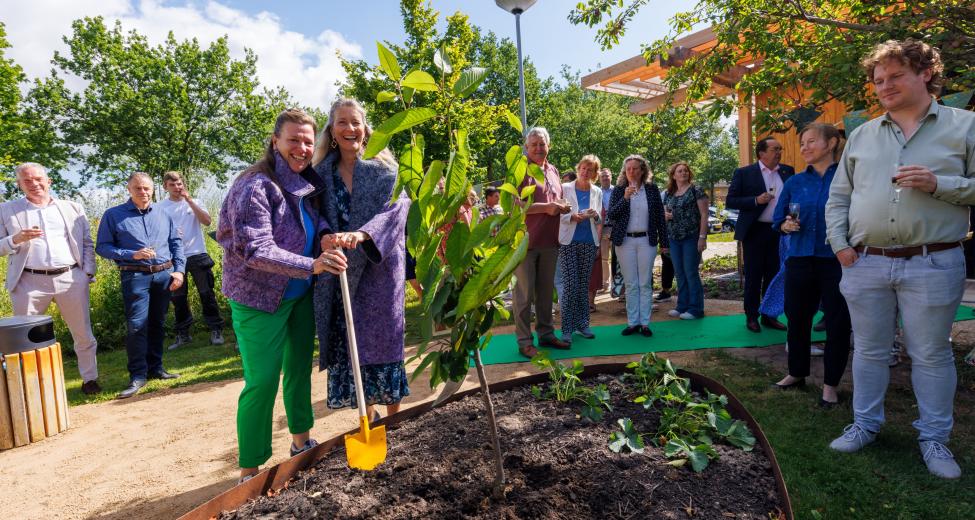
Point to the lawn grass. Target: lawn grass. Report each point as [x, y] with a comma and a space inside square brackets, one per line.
[886, 480]
[722, 237]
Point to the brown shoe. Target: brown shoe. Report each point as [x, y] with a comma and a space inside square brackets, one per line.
[529, 351]
[772, 323]
[554, 343]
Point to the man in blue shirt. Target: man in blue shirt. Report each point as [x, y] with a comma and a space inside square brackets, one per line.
[144, 243]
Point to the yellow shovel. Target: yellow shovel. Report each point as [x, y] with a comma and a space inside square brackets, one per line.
[367, 448]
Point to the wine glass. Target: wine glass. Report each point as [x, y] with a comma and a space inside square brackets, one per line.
[794, 211]
[893, 180]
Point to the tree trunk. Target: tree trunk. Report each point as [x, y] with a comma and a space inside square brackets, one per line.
[498, 487]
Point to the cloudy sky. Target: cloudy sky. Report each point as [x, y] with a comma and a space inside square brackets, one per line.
[296, 41]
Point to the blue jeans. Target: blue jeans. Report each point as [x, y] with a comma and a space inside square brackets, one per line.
[636, 257]
[146, 297]
[687, 260]
[926, 290]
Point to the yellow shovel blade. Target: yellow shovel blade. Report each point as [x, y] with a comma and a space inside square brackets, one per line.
[366, 449]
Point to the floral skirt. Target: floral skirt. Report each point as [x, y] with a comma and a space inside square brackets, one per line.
[384, 383]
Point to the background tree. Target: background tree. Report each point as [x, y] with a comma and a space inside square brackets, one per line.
[457, 48]
[24, 135]
[813, 43]
[175, 106]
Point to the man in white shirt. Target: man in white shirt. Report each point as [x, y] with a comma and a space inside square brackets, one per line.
[190, 218]
[52, 258]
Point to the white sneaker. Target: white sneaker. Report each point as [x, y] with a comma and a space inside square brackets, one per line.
[853, 439]
[815, 351]
[673, 313]
[687, 316]
[940, 461]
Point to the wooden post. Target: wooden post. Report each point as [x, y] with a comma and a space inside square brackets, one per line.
[15, 393]
[46, 373]
[744, 129]
[6, 424]
[744, 155]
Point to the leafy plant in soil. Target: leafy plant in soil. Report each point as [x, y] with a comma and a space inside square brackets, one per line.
[566, 386]
[462, 267]
[689, 423]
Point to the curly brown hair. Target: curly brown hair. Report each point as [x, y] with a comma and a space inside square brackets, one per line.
[913, 53]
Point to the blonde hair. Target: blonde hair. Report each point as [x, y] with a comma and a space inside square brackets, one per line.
[327, 145]
[827, 132]
[645, 178]
[913, 53]
[593, 160]
[266, 164]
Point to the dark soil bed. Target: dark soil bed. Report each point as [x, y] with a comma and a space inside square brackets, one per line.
[558, 467]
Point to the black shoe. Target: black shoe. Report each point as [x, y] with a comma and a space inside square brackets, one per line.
[799, 383]
[554, 343]
[773, 323]
[630, 330]
[646, 331]
[91, 387]
[753, 325]
[134, 386]
[182, 339]
[827, 405]
[661, 297]
[820, 326]
[162, 374]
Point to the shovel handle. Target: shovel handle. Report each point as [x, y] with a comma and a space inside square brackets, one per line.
[360, 395]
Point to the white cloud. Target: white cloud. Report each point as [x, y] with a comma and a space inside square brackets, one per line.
[306, 66]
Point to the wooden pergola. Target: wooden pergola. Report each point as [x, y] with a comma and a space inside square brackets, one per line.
[644, 80]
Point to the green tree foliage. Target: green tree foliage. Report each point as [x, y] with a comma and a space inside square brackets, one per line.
[457, 47]
[175, 106]
[24, 136]
[812, 43]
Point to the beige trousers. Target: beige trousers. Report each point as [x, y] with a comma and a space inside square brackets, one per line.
[605, 246]
[33, 295]
[535, 284]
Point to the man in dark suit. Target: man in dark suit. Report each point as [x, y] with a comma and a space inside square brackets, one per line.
[752, 192]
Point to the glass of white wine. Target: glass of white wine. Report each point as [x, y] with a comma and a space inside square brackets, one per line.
[893, 180]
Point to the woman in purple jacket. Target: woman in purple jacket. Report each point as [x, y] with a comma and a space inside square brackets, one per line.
[270, 227]
[372, 227]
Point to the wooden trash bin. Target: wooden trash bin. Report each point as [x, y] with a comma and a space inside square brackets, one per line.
[33, 400]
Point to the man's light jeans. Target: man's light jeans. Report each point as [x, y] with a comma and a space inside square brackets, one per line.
[926, 290]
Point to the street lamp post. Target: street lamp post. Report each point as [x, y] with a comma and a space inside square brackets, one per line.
[516, 7]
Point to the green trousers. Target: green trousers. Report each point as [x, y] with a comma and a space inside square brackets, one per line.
[269, 342]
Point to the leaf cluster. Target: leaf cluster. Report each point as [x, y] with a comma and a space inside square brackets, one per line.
[689, 423]
[566, 386]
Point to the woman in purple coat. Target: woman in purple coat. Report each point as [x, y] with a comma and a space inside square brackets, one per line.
[270, 227]
[372, 227]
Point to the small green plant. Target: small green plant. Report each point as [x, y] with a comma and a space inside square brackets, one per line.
[699, 455]
[627, 438]
[566, 386]
[689, 423]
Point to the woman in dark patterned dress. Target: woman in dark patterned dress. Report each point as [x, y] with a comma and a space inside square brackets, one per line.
[372, 228]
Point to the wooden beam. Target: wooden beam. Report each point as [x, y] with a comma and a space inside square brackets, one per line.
[627, 70]
[744, 129]
[731, 77]
[649, 105]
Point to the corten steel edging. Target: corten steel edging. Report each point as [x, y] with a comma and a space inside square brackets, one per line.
[274, 478]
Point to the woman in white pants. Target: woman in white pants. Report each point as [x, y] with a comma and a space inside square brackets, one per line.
[638, 228]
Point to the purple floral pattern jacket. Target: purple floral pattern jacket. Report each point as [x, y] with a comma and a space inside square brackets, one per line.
[263, 235]
[377, 271]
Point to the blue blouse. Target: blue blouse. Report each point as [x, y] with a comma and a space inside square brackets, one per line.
[297, 287]
[810, 191]
[583, 233]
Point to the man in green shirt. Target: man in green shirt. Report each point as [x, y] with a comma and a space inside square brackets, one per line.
[896, 215]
